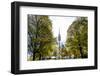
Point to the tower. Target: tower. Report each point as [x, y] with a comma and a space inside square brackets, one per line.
[59, 40]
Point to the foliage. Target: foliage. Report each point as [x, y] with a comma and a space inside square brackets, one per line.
[40, 36]
[77, 40]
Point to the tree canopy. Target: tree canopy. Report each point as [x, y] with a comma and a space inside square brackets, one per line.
[77, 38]
[40, 36]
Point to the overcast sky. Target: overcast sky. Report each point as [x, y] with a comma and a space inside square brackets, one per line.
[62, 23]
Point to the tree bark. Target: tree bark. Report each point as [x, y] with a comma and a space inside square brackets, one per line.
[80, 48]
[40, 57]
[33, 55]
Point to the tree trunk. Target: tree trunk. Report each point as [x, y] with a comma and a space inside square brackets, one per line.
[40, 57]
[33, 55]
[80, 48]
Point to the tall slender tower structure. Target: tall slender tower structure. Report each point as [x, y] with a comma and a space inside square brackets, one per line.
[59, 39]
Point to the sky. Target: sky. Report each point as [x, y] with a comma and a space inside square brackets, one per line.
[61, 23]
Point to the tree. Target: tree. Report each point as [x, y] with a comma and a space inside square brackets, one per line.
[40, 36]
[77, 40]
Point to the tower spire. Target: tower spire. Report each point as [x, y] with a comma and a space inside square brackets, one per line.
[59, 36]
[59, 39]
